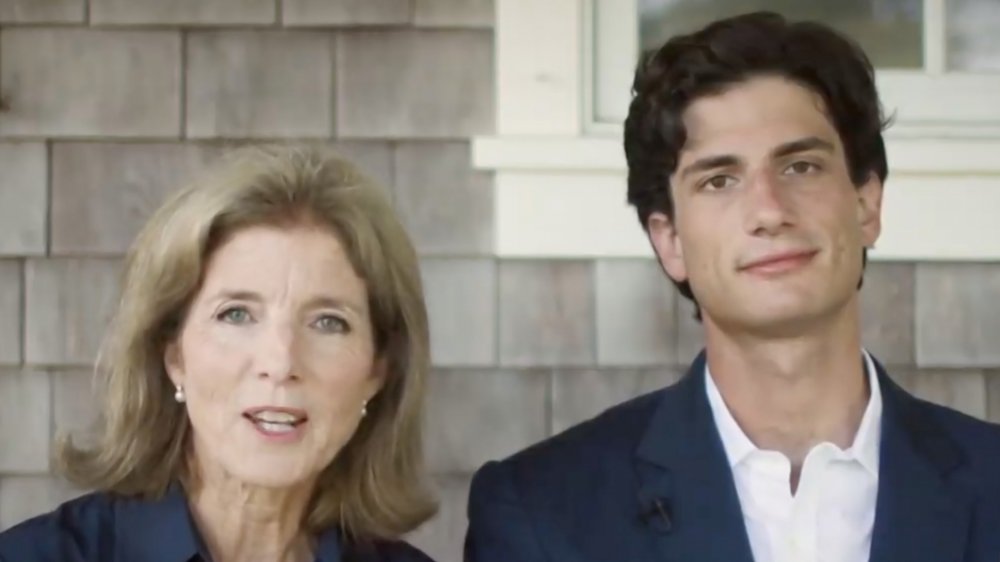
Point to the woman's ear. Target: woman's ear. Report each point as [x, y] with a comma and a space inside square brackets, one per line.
[380, 372]
[173, 363]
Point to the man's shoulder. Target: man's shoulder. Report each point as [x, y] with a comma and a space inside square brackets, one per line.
[616, 430]
[599, 450]
[967, 447]
[978, 440]
[76, 526]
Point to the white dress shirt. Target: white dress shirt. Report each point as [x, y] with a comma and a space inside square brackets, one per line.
[830, 517]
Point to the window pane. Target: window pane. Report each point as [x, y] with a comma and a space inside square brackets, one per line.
[890, 31]
[973, 43]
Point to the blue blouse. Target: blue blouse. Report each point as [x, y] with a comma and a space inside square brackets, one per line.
[101, 527]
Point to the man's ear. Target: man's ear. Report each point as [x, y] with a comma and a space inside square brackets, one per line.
[870, 210]
[667, 245]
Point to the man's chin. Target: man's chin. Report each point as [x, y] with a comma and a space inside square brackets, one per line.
[777, 320]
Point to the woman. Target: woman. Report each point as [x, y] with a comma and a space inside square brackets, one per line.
[263, 380]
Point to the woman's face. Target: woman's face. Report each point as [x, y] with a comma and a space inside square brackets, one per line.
[276, 356]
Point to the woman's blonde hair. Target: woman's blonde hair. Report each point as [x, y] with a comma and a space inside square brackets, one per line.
[374, 488]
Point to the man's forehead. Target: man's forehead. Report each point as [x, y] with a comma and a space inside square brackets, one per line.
[762, 113]
[754, 103]
[756, 140]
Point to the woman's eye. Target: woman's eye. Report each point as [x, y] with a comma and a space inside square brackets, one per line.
[235, 315]
[331, 324]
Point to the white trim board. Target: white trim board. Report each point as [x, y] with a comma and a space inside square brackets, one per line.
[538, 73]
[584, 215]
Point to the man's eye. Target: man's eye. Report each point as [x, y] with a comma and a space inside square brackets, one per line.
[718, 182]
[801, 167]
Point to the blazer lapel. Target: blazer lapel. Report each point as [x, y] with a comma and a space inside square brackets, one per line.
[687, 495]
[921, 514]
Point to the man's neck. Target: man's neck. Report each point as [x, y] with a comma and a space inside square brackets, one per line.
[791, 394]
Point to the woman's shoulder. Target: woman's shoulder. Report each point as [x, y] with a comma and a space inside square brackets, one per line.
[76, 531]
[401, 551]
[389, 551]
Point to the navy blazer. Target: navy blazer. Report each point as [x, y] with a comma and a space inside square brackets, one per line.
[105, 528]
[648, 480]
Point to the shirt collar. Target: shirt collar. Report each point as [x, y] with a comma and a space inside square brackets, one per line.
[864, 449]
[159, 530]
[163, 530]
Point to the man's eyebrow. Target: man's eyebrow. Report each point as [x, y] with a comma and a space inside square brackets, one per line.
[785, 149]
[709, 163]
[802, 145]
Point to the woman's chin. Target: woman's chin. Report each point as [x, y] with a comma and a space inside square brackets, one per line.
[269, 469]
[264, 475]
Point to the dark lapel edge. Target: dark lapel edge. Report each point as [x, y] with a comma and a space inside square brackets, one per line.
[680, 463]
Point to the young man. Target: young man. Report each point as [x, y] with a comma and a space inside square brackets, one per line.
[756, 164]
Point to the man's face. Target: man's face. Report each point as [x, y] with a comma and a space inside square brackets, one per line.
[768, 227]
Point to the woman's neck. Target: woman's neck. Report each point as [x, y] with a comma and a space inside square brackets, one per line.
[245, 523]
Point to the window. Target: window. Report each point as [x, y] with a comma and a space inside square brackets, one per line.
[937, 61]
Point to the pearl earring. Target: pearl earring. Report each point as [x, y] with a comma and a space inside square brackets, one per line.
[179, 395]
[364, 408]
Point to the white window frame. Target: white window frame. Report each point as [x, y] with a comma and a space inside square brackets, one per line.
[972, 110]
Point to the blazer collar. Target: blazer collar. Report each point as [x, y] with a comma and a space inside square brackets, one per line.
[686, 488]
[683, 472]
[923, 510]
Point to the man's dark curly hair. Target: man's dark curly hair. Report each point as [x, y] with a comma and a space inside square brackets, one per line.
[728, 52]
